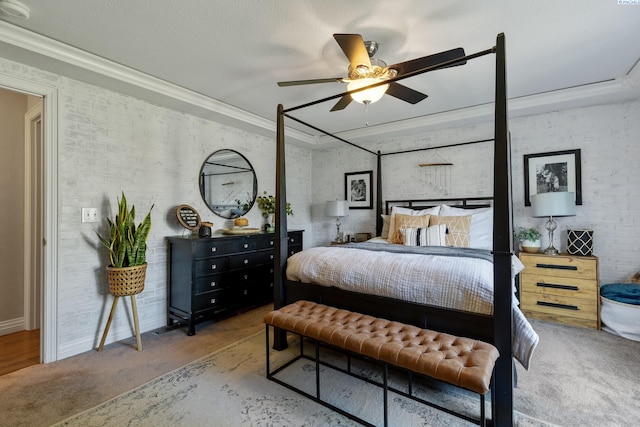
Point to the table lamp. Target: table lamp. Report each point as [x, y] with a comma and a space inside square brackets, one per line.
[337, 208]
[550, 205]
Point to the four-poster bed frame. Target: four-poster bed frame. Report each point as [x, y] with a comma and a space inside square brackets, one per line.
[496, 328]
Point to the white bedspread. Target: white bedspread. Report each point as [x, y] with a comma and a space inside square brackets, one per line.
[446, 281]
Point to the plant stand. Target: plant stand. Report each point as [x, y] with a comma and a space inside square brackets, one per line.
[125, 281]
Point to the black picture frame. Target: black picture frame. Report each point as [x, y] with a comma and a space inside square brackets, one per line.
[358, 189]
[552, 171]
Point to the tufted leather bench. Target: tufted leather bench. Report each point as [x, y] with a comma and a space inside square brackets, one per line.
[463, 362]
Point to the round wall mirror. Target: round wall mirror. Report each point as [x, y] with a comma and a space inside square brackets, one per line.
[228, 183]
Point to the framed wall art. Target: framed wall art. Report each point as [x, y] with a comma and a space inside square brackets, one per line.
[358, 189]
[553, 171]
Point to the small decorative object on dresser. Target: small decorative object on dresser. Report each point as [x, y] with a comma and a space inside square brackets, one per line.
[529, 239]
[579, 242]
[561, 288]
[267, 204]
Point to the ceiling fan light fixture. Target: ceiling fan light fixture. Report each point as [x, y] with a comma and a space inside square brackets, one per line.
[367, 96]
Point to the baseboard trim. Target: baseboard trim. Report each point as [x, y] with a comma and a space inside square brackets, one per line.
[11, 326]
[76, 347]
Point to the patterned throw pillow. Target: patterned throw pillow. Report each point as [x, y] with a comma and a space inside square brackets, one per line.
[406, 221]
[457, 229]
[434, 235]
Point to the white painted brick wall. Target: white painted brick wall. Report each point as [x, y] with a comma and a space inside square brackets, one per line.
[609, 139]
[109, 143]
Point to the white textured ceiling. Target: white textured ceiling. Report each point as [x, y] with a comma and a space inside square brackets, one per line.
[234, 51]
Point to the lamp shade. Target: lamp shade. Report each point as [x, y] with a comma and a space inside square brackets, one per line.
[337, 208]
[369, 95]
[553, 204]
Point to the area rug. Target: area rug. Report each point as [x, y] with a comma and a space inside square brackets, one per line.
[229, 388]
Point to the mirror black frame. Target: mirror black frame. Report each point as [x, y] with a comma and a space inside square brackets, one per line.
[235, 210]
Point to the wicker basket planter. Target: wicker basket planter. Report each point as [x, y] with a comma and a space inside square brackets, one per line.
[124, 281]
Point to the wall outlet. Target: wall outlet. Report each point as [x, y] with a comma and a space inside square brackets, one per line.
[89, 214]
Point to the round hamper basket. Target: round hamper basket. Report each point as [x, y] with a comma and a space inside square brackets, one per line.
[125, 281]
[620, 309]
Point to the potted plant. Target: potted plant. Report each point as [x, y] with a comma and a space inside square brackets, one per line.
[267, 204]
[529, 239]
[127, 245]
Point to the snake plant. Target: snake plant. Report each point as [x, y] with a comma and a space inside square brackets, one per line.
[127, 244]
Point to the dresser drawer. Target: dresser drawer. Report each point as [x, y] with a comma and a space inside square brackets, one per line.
[212, 283]
[209, 266]
[579, 308]
[250, 259]
[561, 266]
[215, 299]
[215, 247]
[562, 286]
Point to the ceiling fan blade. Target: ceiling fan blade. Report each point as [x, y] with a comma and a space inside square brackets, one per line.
[430, 60]
[342, 104]
[353, 47]
[310, 82]
[404, 93]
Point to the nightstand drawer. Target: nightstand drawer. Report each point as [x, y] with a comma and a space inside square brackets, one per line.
[562, 286]
[578, 308]
[561, 266]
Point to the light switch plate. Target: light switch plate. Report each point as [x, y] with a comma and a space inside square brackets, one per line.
[89, 214]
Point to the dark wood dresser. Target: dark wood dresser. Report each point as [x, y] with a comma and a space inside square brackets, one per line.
[212, 276]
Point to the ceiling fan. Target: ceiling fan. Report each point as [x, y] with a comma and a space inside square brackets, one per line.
[364, 70]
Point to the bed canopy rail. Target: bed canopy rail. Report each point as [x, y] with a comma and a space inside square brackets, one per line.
[502, 322]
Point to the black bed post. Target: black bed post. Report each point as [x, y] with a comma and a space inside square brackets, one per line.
[282, 239]
[379, 195]
[502, 249]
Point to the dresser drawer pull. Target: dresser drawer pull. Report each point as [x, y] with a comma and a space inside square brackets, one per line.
[213, 249]
[246, 245]
[213, 284]
[246, 261]
[213, 300]
[271, 256]
[246, 277]
[292, 240]
[214, 266]
[557, 267]
[552, 304]
[245, 292]
[554, 286]
[270, 242]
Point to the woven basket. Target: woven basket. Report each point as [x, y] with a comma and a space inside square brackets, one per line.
[125, 281]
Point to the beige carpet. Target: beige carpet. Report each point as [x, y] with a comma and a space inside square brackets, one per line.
[229, 388]
[579, 377]
[41, 395]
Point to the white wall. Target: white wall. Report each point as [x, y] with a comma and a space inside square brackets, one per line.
[609, 139]
[109, 143]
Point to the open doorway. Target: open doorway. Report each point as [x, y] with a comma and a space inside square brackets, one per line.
[21, 256]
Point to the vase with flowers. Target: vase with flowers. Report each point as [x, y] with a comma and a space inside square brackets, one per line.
[267, 204]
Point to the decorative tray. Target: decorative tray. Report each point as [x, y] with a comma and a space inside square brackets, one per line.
[240, 230]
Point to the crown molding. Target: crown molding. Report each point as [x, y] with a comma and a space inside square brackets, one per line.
[168, 94]
[185, 100]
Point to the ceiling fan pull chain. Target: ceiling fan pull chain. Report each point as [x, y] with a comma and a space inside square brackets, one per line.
[366, 112]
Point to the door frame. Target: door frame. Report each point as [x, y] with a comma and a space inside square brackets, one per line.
[49, 319]
[33, 226]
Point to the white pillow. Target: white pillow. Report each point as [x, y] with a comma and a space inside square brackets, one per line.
[481, 231]
[434, 235]
[407, 211]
